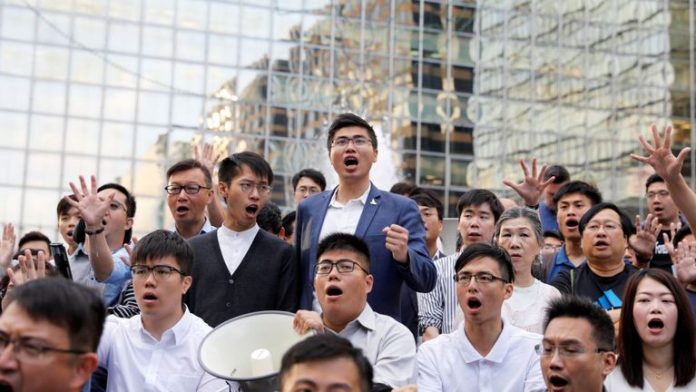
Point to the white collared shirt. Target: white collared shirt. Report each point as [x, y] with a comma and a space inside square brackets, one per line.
[387, 344]
[136, 361]
[451, 363]
[343, 218]
[234, 245]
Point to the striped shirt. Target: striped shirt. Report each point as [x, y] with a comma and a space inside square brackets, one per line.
[439, 307]
[127, 307]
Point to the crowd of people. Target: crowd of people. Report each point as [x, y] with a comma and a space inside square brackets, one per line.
[554, 290]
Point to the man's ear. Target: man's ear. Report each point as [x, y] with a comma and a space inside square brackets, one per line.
[85, 365]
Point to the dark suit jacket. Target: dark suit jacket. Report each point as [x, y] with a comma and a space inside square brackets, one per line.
[266, 279]
[381, 209]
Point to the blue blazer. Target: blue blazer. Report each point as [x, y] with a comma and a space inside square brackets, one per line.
[381, 209]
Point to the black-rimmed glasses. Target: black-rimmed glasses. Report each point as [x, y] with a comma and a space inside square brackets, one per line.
[26, 348]
[160, 271]
[190, 189]
[343, 266]
[464, 278]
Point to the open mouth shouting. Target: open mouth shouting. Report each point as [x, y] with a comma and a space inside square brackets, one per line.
[601, 244]
[572, 224]
[655, 326]
[5, 386]
[149, 298]
[473, 305]
[351, 162]
[333, 293]
[557, 382]
[251, 210]
[182, 210]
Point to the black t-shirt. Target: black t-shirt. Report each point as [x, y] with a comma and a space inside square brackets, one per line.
[661, 257]
[607, 292]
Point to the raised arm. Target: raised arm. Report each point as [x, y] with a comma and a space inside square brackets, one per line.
[533, 184]
[209, 159]
[668, 166]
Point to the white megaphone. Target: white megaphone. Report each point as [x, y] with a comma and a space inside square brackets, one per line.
[247, 350]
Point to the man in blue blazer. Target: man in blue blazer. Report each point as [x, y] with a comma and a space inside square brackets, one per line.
[390, 224]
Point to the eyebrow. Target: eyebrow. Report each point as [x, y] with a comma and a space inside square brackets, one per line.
[563, 341]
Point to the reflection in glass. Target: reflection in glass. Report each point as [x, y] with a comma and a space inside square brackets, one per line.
[46, 133]
[43, 169]
[15, 159]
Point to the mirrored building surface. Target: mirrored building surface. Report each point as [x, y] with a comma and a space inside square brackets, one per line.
[457, 90]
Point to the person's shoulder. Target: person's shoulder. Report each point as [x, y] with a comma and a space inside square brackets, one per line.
[547, 290]
[445, 341]
[201, 239]
[272, 242]
[518, 335]
[198, 327]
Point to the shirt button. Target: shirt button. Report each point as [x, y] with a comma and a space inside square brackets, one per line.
[228, 304]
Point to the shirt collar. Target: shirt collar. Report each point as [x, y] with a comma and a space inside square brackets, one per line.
[367, 319]
[497, 353]
[248, 233]
[206, 228]
[362, 199]
[175, 334]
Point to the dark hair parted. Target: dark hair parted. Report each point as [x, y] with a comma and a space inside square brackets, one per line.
[269, 218]
[344, 241]
[428, 198]
[231, 166]
[559, 172]
[580, 187]
[35, 236]
[576, 307]
[476, 197]
[314, 175]
[326, 347]
[65, 304]
[63, 205]
[345, 120]
[626, 224]
[164, 243]
[190, 164]
[287, 222]
[630, 345]
[479, 250]
[653, 179]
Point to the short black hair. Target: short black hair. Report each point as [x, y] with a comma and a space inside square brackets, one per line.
[190, 164]
[681, 234]
[314, 175]
[35, 236]
[65, 304]
[476, 197]
[164, 243]
[287, 222]
[403, 188]
[64, 206]
[269, 218]
[626, 224]
[578, 187]
[653, 179]
[231, 166]
[324, 347]
[427, 198]
[577, 307]
[478, 250]
[130, 205]
[344, 120]
[554, 234]
[344, 241]
[559, 172]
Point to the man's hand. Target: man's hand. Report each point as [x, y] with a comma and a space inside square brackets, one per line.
[29, 271]
[660, 156]
[685, 262]
[92, 209]
[643, 242]
[397, 242]
[7, 245]
[307, 320]
[531, 188]
[129, 250]
[206, 157]
[430, 333]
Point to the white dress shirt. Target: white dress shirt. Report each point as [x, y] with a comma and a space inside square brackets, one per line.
[451, 363]
[387, 344]
[615, 382]
[136, 361]
[234, 245]
[526, 308]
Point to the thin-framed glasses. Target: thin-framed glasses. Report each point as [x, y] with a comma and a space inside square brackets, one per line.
[26, 348]
[160, 271]
[263, 189]
[358, 141]
[565, 350]
[343, 266]
[465, 278]
[190, 189]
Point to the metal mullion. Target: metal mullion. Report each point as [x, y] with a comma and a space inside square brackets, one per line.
[449, 125]
[692, 88]
[419, 91]
[269, 88]
[68, 84]
[361, 65]
[170, 127]
[137, 100]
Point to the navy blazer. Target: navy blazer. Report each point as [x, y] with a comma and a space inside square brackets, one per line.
[381, 210]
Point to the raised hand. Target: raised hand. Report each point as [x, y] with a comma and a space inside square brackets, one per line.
[533, 185]
[685, 262]
[660, 156]
[127, 260]
[7, 245]
[29, 270]
[206, 157]
[643, 242]
[397, 242]
[307, 320]
[92, 208]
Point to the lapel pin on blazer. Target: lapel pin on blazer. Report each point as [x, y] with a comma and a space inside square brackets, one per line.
[373, 202]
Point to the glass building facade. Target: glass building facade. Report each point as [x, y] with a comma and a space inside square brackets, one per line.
[457, 90]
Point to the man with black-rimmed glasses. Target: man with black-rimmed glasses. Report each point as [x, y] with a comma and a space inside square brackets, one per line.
[239, 268]
[156, 350]
[189, 191]
[342, 282]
